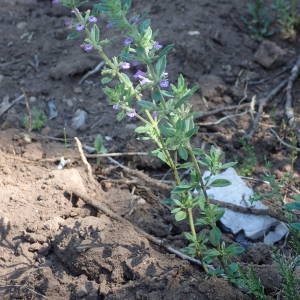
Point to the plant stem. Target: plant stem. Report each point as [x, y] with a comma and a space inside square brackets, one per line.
[199, 173]
[191, 222]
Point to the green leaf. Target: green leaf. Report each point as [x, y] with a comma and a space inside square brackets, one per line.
[141, 129]
[228, 165]
[143, 138]
[160, 154]
[189, 236]
[296, 226]
[120, 115]
[191, 132]
[186, 97]
[198, 151]
[95, 33]
[220, 183]
[160, 66]
[144, 25]
[186, 165]
[183, 153]
[167, 93]
[147, 105]
[233, 250]
[180, 216]
[73, 35]
[167, 131]
[293, 205]
[176, 210]
[166, 50]
[215, 236]
[106, 80]
[182, 188]
[156, 95]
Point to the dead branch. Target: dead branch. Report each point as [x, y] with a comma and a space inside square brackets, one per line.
[92, 72]
[219, 110]
[84, 160]
[261, 104]
[102, 207]
[289, 112]
[4, 109]
[283, 142]
[249, 210]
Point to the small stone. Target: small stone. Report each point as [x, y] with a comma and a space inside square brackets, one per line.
[270, 55]
[79, 120]
[78, 90]
[1, 78]
[32, 99]
[21, 25]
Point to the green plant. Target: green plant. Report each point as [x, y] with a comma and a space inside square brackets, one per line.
[249, 161]
[99, 146]
[259, 22]
[287, 16]
[36, 120]
[165, 114]
[290, 287]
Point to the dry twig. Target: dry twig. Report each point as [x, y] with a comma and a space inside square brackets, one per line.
[289, 112]
[84, 160]
[101, 207]
[261, 104]
[92, 72]
[3, 110]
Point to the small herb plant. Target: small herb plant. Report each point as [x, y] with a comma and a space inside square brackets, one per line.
[287, 17]
[258, 22]
[99, 146]
[36, 121]
[147, 95]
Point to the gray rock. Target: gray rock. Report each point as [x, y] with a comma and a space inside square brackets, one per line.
[79, 120]
[270, 55]
[238, 193]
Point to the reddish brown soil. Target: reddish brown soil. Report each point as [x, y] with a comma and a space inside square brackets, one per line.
[55, 246]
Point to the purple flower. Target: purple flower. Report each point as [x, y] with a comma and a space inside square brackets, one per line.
[135, 63]
[116, 106]
[55, 1]
[87, 47]
[164, 83]
[157, 45]
[135, 20]
[75, 11]
[127, 41]
[93, 19]
[144, 80]
[139, 74]
[79, 27]
[131, 113]
[68, 23]
[109, 25]
[155, 114]
[125, 65]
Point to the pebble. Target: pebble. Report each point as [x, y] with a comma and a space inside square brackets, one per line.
[21, 25]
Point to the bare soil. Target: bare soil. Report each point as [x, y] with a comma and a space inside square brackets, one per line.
[53, 244]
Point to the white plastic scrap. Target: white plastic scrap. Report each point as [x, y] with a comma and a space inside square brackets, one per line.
[63, 162]
[238, 193]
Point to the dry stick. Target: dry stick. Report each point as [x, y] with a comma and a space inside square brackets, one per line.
[249, 210]
[222, 119]
[261, 104]
[92, 72]
[216, 111]
[84, 160]
[283, 142]
[144, 177]
[111, 214]
[289, 112]
[28, 111]
[3, 110]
